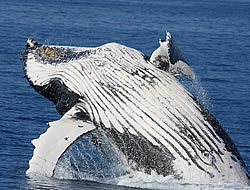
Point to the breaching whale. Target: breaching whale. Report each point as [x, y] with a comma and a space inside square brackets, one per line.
[137, 103]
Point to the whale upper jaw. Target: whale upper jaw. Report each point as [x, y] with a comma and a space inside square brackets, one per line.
[40, 63]
[145, 112]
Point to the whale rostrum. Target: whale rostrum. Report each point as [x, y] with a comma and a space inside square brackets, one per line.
[137, 103]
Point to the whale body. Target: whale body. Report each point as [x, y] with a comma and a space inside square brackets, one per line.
[135, 102]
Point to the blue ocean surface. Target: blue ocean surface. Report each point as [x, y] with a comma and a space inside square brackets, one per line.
[214, 36]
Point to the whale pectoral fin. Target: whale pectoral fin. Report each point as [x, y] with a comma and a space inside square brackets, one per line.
[54, 142]
[181, 68]
[168, 57]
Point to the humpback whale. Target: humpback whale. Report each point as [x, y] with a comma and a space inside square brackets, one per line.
[137, 103]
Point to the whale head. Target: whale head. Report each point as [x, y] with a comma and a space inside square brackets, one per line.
[40, 65]
[168, 57]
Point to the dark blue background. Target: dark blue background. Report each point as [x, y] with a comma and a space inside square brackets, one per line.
[213, 35]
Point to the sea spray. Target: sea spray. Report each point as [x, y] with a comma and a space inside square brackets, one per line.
[87, 160]
[200, 92]
[159, 182]
[194, 86]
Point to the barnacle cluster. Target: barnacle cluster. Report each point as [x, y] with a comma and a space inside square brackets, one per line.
[48, 52]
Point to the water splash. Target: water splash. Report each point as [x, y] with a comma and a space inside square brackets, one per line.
[194, 86]
[91, 157]
[155, 181]
[200, 92]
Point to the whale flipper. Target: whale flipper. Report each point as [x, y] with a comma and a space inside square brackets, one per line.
[54, 142]
[168, 57]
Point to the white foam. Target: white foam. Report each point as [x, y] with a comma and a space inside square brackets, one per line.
[154, 181]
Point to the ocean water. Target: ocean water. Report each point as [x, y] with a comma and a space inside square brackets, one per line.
[214, 36]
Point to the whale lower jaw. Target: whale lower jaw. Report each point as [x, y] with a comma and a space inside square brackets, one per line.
[146, 112]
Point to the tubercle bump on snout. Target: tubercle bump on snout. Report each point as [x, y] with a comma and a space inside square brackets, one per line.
[32, 44]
